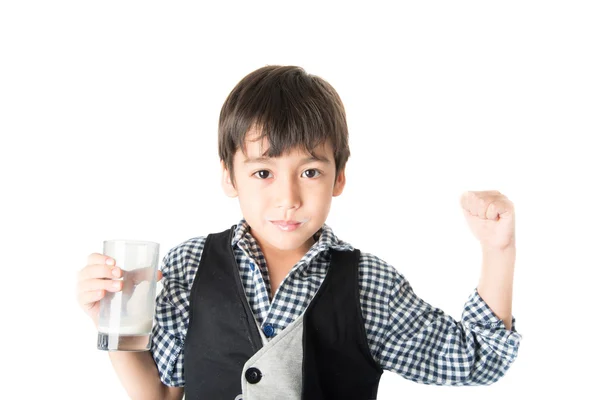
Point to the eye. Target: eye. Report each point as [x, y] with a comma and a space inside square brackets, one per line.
[261, 174]
[315, 172]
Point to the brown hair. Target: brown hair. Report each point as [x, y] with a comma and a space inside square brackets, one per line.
[292, 108]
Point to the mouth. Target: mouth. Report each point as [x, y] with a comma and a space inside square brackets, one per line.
[287, 226]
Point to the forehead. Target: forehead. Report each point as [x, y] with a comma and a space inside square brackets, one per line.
[254, 148]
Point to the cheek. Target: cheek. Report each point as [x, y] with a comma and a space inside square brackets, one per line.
[317, 198]
[249, 198]
[322, 191]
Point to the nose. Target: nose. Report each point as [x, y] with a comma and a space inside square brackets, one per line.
[287, 193]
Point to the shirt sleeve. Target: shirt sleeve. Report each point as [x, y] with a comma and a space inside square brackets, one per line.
[171, 316]
[425, 345]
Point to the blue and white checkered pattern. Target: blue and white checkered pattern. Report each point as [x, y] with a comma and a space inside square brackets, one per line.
[405, 334]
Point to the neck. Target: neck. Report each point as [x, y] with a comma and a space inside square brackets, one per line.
[276, 257]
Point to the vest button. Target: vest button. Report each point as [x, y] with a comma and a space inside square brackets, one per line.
[253, 375]
[269, 331]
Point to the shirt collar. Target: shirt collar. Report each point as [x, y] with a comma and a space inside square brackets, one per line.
[325, 239]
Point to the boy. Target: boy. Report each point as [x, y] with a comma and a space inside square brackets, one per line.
[277, 306]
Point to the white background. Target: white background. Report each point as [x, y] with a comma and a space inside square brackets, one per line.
[108, 123]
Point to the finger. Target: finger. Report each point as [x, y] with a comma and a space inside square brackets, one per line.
[477, 202]
[99, 271]
[87, 298]
[91, 285]
[491, 212]
[499, 207]
[484, 193]
[97, 258]
[466, 201]
[481, 205]
[159, 275]
[139, 275]
[471, 194]
[487, 205]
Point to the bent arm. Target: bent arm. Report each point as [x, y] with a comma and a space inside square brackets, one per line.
[425, 345]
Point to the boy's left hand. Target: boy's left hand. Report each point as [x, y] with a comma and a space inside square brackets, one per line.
[491, 217]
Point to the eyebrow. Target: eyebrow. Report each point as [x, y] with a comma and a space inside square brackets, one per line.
[269, 160]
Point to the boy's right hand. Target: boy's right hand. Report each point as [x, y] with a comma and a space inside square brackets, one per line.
[98, 276]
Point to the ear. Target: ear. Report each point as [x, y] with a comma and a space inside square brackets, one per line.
[340, 182]
[228, 186]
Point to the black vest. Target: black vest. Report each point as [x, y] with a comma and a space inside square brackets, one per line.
[222, 334]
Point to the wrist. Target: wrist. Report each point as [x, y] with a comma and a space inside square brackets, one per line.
[506, 251]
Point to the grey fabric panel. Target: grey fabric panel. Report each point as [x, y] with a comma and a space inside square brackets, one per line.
[280, 362]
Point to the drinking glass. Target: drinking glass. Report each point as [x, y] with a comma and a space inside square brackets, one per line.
[125, 317]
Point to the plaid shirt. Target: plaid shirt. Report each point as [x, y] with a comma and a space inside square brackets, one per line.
[405, 334]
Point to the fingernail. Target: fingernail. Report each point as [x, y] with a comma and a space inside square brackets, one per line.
[110, 261]
[116, 284]
[115, 272]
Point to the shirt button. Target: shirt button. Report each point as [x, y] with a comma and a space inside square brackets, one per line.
[269, 331]
[253, 375]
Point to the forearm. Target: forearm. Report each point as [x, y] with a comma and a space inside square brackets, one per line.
[496, 281]
[138, 374]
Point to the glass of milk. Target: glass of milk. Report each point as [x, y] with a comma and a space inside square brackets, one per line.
[125, 319]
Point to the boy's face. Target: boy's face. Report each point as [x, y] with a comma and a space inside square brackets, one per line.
[287, 188]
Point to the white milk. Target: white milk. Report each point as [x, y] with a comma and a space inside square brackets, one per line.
[127, 326]
[138, 320]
